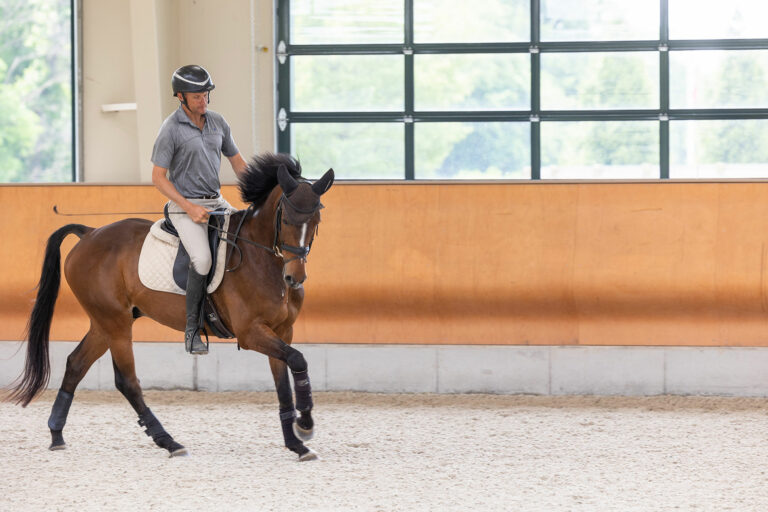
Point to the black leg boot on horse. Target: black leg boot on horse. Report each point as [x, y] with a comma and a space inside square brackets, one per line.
[196, 287]
[293, 436]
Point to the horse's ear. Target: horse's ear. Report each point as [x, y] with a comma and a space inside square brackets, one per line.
[286, 181]
[322, 185]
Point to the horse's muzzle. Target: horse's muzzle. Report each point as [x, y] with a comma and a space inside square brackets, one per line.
[293, 283]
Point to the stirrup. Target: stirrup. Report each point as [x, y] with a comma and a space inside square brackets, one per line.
[194, 344]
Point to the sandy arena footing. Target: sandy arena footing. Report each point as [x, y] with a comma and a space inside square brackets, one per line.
[393, 452]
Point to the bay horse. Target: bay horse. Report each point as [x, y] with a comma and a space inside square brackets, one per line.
[258, 301]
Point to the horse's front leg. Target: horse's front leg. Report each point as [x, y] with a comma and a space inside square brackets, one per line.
[283, 357]
[304, 426]
[293, 435]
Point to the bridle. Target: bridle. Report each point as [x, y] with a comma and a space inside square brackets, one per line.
[299, 252]
[278, 247]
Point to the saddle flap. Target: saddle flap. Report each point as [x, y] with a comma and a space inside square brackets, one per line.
[181, 262]
[161, 250]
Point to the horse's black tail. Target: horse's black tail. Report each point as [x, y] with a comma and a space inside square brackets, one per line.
[37, 368]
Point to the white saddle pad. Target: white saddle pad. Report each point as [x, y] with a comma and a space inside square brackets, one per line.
[158, 254]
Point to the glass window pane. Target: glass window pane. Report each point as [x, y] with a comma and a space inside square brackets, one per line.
[354, 150]
[599, 20]
[460, 21]
[346, 22]
[599, 80]
[35, 91]
[472, 150]
[347, 83]
[600, 150]
[472, 82]
[718, 149]
[715, 79]
[716, 19]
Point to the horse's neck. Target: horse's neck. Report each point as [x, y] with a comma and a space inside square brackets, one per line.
[262, 226]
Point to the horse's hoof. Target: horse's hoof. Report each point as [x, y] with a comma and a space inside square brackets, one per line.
[55, 447]
[310, 455]
[179, 452]
[304, 435]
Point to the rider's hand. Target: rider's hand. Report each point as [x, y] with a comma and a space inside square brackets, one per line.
[197, 213]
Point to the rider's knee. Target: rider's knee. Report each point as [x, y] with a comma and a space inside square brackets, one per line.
[201, 263]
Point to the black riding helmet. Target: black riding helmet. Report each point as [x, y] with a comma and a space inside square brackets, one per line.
[191, 78]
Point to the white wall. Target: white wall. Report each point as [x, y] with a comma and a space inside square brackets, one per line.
[537, 370]
[130, 49]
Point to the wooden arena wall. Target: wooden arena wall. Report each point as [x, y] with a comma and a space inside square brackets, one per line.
[648, 263]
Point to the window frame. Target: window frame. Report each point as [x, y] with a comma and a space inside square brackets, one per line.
[76, 83]
[534, 115]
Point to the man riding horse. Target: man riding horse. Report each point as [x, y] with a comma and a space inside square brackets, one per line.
[259, 301]
[186, 158]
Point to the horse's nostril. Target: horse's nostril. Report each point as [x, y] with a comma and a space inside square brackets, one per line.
[288, 279]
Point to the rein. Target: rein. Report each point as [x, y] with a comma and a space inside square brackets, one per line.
[277, 248]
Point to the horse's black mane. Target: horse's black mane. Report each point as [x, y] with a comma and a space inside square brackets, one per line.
[261, 176]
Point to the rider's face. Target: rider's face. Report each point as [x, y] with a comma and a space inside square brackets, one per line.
[197, 102]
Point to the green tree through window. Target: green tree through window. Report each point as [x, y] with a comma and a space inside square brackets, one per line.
[736, 142]
[35, 91]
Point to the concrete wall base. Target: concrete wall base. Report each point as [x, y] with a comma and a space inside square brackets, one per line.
[541, 370]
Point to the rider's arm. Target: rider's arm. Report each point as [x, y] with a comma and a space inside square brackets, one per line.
[196, 212]
[238, 164]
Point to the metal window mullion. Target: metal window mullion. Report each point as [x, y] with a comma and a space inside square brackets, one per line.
[346, 49]
[719, 44]
[664, 90]
[408, 119]
[664, 149]
[516, 47]
[76, 84]
[599, 115]
[535, 117]
[72, 86]
[712, 114]
[283, 77]
[409, 106]
[599, 46]
[461, 116]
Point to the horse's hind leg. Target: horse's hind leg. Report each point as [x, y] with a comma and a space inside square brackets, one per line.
[79, 362]
[128, 384]
[294, 430]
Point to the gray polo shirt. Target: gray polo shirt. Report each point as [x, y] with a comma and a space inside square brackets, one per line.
[191, 156]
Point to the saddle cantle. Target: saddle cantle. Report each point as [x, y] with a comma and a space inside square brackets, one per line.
[164, 265]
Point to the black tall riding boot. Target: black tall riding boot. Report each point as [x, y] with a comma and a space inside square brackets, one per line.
[195, 294]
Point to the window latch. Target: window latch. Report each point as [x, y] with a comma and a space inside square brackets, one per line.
[282, 120]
